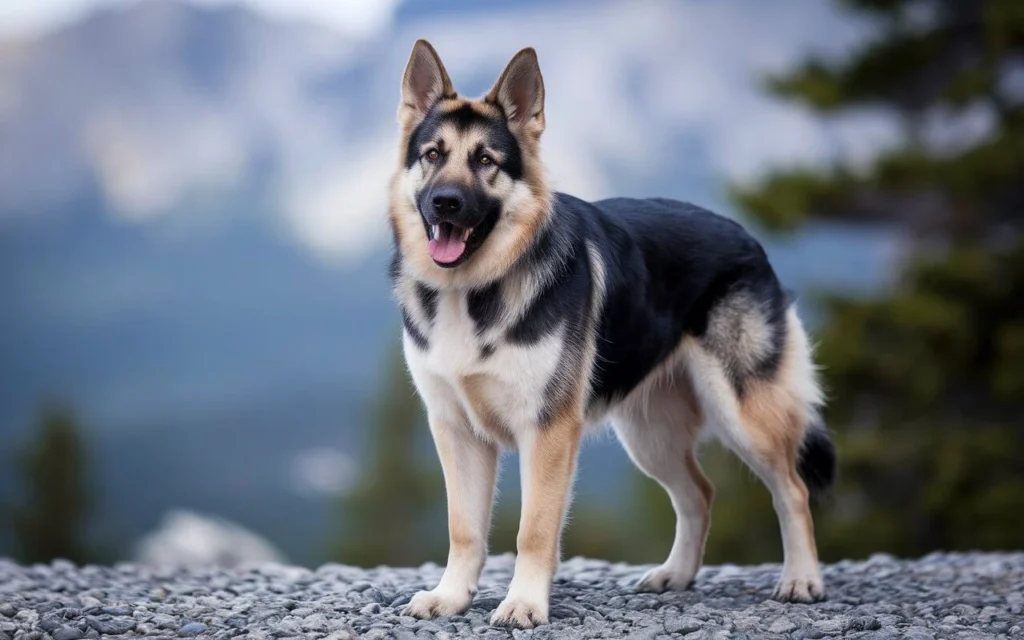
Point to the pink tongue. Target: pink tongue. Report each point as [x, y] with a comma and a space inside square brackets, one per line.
[447, 247]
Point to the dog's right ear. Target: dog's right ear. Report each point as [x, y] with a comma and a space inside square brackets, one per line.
[424, 83]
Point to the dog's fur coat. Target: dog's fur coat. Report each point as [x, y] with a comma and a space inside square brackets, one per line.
[531, 316]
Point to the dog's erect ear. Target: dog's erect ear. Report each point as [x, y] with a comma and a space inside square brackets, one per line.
[520, 92]
[424, 83]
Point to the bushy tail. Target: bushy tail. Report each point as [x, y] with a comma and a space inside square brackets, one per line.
[817, 462]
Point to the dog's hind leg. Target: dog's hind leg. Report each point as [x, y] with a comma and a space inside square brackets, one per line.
[770, 426]
[658, 427]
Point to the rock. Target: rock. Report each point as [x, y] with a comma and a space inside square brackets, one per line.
[236, 622]
[118, 611]
[865, 623]
[111, 626]
[782, 625]
[831, 627]
[192, 629]
[189, 539]
[288, 628]
[49, 623]
[682, 624]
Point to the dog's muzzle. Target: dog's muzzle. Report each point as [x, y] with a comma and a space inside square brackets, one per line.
[451, 215]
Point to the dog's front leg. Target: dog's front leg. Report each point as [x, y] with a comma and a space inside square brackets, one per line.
[469, 465]
[547, 464]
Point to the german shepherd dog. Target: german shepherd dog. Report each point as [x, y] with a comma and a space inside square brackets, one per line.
[531, 316]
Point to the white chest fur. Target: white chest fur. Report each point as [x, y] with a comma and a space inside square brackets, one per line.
[495, 385]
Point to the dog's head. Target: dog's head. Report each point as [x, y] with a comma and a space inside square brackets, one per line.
[470, 193]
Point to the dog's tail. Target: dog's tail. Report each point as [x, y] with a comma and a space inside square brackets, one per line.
[817, 461]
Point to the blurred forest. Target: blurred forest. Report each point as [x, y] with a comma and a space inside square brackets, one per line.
[925, 380]
[51, 519]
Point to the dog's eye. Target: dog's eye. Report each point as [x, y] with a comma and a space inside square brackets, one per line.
[486, 159]
[433, 155]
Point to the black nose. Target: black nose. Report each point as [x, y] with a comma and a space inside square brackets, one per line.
[447, 202]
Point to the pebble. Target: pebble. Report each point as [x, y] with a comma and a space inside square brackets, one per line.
[682, 624]
[164, 621]
[118, 611]
[782, 625]
[940, 595]
[111, 626]
[192, 629]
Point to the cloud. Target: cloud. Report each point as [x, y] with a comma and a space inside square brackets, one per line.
[322, 471]
[354, 18]
[141, 182]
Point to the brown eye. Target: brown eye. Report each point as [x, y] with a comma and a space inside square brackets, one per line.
[433, 155]
[486, 159]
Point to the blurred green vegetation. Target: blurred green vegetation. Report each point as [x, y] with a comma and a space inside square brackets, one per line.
[51, 520]
[926, 381]
[396, 515]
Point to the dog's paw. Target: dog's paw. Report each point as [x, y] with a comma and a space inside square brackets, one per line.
[437, 604]
[800, 588]
[663, 578]
[517, 612]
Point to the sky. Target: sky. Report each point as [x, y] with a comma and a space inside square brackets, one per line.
[358, 18]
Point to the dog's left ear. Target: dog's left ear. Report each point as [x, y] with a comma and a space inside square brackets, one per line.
[519, 91]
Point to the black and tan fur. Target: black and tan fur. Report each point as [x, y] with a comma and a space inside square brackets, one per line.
[558, 314]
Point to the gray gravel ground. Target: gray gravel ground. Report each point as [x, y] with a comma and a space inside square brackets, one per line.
[939, 596]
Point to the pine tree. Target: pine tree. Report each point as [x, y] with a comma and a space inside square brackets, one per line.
[926, 381]
[51, 520]
[396, 515]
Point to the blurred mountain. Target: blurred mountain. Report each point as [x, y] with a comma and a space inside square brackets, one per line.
[138, 210]
[138, 102]
[145, 272]
[192, 228]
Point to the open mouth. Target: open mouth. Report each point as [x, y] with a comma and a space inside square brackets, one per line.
[447, 242]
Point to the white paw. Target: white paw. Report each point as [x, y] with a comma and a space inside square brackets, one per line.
[437, 604]
[518, 612]
[665, 578]
[806, 588]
